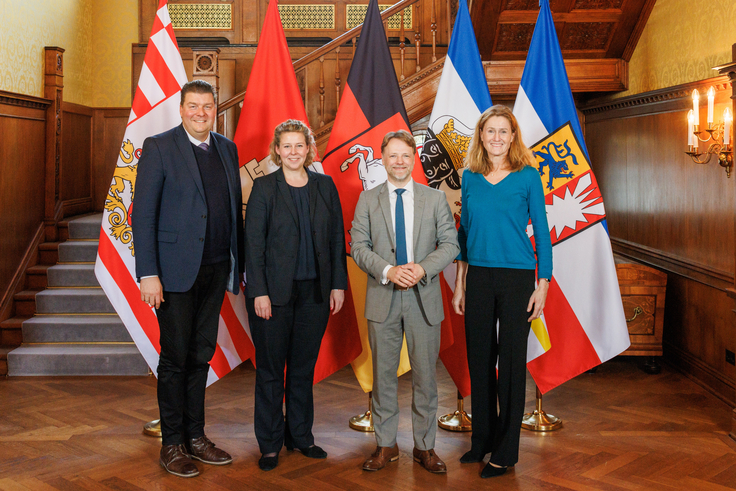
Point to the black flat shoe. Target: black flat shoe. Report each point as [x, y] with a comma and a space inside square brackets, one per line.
[268, 463]
[470, 457]
[314, 452]
[491, 471]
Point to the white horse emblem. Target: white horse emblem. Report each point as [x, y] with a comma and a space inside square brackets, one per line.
[371, 171]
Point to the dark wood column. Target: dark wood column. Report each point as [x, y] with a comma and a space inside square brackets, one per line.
[207, 68]
[54, 91]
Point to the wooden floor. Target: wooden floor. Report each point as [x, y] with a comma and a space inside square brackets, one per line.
[623, 430]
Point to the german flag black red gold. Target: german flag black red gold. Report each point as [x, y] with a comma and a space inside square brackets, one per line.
[371, 106]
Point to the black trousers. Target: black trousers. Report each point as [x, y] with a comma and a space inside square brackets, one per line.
[290, 338]
[497, 294]
[188, 325]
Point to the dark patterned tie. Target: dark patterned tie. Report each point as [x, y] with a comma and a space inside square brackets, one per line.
[204, 146]
[400, 230]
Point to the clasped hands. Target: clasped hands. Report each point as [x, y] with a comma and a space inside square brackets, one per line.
[407, 275]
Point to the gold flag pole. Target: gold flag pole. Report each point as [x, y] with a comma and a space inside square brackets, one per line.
[539, 420]
[153, 428]
[364, 422]
[457, 421]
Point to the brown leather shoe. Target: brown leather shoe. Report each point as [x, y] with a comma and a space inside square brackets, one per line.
[429, 460]
[175, 460]
[205, 451]
[381, 457]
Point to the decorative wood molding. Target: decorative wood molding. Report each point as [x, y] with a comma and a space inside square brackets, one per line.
[643, 17]
[585, 75]
[714, 278]
[656, 101]
[13, 99]
[702, 374]
[70, 107]
[77, 206]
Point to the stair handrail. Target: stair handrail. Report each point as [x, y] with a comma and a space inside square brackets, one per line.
[326, 48]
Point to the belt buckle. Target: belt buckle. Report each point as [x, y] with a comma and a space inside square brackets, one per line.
[401, 288]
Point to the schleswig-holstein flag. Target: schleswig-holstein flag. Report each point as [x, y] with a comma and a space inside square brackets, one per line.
[462, 96]
[583, 315]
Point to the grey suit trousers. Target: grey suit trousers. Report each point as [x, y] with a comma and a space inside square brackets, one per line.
[405, 317]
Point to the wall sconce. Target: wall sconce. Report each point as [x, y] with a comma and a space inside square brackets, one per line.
[719, 134]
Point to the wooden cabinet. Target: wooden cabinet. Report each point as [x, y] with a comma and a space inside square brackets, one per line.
[643, 293]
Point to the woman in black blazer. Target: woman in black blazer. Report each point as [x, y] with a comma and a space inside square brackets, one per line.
[296, 273]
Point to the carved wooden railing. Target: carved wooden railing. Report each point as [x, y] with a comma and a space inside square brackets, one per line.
[335, 47]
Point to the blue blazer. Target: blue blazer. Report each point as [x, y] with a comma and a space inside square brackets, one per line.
[169, 216]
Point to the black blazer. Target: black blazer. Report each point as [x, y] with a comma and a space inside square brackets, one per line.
[169, 216]
[272, 237]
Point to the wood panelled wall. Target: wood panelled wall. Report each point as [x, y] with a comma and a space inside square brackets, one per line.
[22, 169]
[666, 211]
[90, 145]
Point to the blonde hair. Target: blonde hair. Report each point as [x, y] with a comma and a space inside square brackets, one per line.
[292, 126]
[519, 156]
[401, 135]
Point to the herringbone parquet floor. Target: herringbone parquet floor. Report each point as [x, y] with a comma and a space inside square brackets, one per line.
[624, 430]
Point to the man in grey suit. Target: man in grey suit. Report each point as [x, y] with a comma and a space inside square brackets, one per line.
[403, 236]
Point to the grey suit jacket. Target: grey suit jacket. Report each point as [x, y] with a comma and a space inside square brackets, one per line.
[435, 246]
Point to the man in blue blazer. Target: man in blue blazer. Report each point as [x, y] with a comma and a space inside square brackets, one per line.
[188, 235]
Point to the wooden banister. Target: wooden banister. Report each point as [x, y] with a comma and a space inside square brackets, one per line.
[323, 50]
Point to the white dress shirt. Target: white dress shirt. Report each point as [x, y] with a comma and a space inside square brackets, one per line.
[196, 142]
[408, 200]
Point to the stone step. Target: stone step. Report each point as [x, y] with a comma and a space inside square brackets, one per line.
[85, 227]
[75, 329]
[73, 301]
[78, 251]
[76, 359]
[71, 275]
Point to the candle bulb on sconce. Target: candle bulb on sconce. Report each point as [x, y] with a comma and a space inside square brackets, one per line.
[696, 108]
[719, 134]
[711, 102]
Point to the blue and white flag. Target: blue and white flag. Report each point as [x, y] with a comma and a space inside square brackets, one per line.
[462, 96]
[583, 316]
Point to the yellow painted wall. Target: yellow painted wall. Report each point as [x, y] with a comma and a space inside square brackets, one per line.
[114, 29]
[682, 41]
[96, 35]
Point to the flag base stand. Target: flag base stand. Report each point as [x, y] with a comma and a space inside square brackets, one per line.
[457, 421]
[153, 428]
[364, 422]
[539, 420]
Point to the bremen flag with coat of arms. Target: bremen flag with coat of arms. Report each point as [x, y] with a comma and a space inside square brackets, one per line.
[272, 97]
[370, 107]
[155, 110]
[583, 315]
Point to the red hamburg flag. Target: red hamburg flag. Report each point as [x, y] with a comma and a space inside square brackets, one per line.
[272, 97]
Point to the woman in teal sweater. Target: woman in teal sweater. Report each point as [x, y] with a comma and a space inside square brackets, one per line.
[501, 192]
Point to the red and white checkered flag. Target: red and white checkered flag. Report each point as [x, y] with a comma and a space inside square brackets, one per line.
[155, 110]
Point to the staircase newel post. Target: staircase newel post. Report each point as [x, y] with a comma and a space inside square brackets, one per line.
[53, 90]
